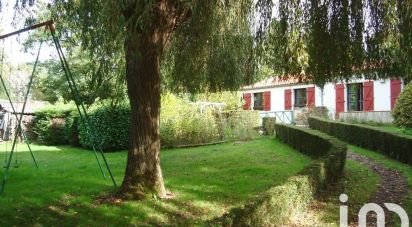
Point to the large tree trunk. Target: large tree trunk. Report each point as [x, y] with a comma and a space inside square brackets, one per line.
[143, 48]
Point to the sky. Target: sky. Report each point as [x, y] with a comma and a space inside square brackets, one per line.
[13, 46]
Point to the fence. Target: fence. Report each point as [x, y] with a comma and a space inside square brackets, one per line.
[283, 117]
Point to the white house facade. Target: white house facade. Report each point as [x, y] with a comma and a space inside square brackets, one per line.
[356, 96]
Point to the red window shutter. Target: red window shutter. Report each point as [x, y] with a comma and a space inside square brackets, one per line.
[288, 99]
[340, 98]
[266, 100]
[248, 99]
[310, 94]
[368, 96]
[395, 91]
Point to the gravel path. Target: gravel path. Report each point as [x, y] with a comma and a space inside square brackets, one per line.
[392, 187]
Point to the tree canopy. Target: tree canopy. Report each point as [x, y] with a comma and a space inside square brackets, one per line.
[323, 41]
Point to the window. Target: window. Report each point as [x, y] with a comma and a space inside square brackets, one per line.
[355, 97]
[258, 101]
[300, 97]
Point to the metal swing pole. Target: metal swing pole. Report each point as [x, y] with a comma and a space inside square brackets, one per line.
[15, 112]
[18, 131]
[84, 117]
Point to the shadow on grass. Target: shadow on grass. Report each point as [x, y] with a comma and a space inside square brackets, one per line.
[207, 181]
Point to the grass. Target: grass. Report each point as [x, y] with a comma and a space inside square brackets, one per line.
[358, 182]
[207, 182]
[385, 126]
[405, 169]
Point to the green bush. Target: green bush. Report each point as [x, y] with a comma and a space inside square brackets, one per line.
[402, 113]
[109, 128]
[394, 145]
[275, 207]
[268, 123]
[329, 150]
[50, 126]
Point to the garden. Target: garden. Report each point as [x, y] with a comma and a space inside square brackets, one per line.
[134, 113]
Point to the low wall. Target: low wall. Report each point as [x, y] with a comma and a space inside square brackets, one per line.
[375, 116]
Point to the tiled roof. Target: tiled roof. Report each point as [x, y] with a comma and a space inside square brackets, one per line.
[31, 106]
[274, 82]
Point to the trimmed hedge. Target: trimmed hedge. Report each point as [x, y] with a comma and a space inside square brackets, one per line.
[329, 151]
[278, 205]
[394, 145]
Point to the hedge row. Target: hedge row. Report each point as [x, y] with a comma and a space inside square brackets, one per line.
[278, 205]
[394, 145]
[329, 151]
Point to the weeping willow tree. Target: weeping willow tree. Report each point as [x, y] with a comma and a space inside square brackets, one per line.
[322, 41]
[185, 46]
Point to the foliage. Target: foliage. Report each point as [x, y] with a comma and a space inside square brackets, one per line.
[72, 174]
[330, 151]
[52, 124]
[109, 128]
[277, 205]
[182, 123]
[51, 83]
[402, 113]
[392, 144]
[325, 41]
[268, 123]
[219, 56]
[231, 100]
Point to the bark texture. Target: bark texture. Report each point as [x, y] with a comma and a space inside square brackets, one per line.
[144, 45]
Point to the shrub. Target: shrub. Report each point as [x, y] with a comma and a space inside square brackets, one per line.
[109, 128]
[239, 125]
[181, 123]
[275, 207]
[394, 145]
[268, 123]
[402, 113]
[49, 125]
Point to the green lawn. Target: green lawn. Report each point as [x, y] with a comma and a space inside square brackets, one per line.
[207, 182]
[358, 182]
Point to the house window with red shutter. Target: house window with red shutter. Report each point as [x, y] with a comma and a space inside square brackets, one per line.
[396, 86]
[266, 101]
[355, 97]
[288, 99]
[248, 99]
[368, 96]
[310, 94]
[300, 97]
[258, 101]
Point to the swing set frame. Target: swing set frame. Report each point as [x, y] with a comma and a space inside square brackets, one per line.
[84, 117]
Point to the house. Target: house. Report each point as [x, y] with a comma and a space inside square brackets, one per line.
[358, 98]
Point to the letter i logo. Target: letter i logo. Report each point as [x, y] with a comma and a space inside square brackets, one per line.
[343, 211]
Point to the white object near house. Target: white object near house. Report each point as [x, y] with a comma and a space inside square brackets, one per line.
[359, 99]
